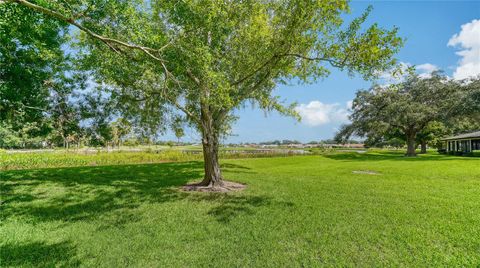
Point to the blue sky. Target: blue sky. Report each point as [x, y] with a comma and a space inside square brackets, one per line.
[428, 26]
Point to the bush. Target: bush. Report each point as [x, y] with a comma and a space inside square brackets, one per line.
[442, 151]
[475, 153]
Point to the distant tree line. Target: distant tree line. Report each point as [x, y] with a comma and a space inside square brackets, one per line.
[287, 142]
[280, 142]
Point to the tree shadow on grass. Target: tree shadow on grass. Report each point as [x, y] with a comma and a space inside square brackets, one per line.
[108, 196]
[110, 193]
[38, 254]
[233, 166]
[396, 156]
[228, 207]
[81, 193]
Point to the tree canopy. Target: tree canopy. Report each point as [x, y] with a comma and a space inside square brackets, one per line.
[201, 60]
[413, 109]
[30, 59]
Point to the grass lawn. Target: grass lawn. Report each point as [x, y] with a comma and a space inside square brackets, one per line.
[296, 211]
[73, 158]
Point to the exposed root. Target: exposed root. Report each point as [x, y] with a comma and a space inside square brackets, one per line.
[227, 186]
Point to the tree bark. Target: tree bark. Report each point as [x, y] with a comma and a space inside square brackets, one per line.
[213, 174]
[411, 145]
[210, 143]
[423, 146]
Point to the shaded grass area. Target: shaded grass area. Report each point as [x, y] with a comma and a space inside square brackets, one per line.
[296, 211]
[38, 254]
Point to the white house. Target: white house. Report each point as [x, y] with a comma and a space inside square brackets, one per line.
[465, 143]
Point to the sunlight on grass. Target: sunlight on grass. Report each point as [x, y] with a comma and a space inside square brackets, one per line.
[296, 211]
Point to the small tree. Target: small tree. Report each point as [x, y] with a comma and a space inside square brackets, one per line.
[431, 135]
[120, 128]
[64, 116]
[178, 128]
[179, 133]
[96, 112]
[8, 137]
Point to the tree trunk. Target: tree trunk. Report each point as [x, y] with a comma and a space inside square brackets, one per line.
[411, 145]
[423, 147]
[210, 143]
[213, 175]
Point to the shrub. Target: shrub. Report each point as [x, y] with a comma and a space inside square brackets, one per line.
[475, 153]
[442, 151]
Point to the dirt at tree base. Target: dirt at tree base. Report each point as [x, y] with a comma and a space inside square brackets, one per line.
[228, 186]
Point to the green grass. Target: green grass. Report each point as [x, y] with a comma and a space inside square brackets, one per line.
[296, 211]
[63, 158]
[71, 158]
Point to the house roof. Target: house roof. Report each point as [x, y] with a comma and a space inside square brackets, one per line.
[470, 135]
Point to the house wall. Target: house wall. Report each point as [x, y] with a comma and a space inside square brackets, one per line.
[464, 145]
[475, 145]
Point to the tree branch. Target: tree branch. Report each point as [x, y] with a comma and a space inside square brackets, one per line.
[193, 77]
[110, 42]
[32, 108]
[172, 101]
[334, 63]
[239, 81]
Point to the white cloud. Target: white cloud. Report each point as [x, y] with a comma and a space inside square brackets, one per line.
[399, 73]
[317, 113]
[395, 75]
[349, 104]
[469, 41]
[426, 69]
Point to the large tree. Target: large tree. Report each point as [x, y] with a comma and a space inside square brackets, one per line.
[408, 108]
[30, 57]
[202, 59]
[471, 105]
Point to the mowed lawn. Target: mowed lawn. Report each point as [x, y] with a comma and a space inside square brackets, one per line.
[297, 211]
